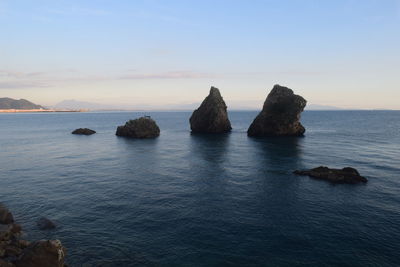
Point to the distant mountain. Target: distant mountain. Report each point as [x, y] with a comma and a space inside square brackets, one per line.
[75, 105]
[9, 103]
[321, 107]
[235, 105]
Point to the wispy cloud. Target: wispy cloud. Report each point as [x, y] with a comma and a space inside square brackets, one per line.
[160, 51]
[168, 75]
[75, 11]
[22, 84]
[159, 17]
[12, 79]
[289, 72]
[19, 74]
[398, 8]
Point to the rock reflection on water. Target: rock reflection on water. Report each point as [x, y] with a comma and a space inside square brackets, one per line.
[276, 152]
[211, 147]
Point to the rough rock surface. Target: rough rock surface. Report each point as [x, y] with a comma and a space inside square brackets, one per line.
[338, 176]
[44, 253]
[280, 114]
[21, 253]
[4, 263]
[144, 127]
[211, 116]
[84, 131]
[45, 224]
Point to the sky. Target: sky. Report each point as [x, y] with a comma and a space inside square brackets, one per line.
[343, 53]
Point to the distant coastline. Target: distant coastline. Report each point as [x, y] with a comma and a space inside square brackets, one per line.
[38, 110]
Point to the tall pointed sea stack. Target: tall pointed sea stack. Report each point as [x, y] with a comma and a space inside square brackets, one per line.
[280, 114]
[211, 116]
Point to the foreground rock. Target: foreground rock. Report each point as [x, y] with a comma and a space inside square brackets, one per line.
[144, 127]
[280, 114]
[338, 176]
[84, 131]
[15, 251]
[44, 253]
[211, 116]
[45, 224]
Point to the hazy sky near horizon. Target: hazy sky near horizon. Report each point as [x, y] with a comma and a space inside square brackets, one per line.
[343, 53]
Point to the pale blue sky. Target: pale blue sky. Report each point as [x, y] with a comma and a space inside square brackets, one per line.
[339, 52]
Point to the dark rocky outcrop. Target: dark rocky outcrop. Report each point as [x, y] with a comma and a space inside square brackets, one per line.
[338, 176]
[16, 252]
[280, 114]
[144, 127]
[211, 116]
[45, 224]
[4, 263]
[44, 253]
[84, 131]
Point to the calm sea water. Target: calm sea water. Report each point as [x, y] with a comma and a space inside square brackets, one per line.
[205, 200]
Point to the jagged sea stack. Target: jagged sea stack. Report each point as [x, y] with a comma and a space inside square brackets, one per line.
[211, 116]
[144, 127]
[280, 114]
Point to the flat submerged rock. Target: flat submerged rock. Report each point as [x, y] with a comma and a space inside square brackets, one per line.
[84, 131]
[346, 175]
[5, 215]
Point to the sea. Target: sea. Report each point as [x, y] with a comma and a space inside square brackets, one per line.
[205, 200]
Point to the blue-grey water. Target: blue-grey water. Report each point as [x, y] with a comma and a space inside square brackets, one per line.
[205, 200]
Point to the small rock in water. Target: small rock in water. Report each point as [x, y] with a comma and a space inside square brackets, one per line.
[45, 224]
[211, 116]
[144, 127]
[5, 215]
[84, 131]
[280, 115]
[339, 176]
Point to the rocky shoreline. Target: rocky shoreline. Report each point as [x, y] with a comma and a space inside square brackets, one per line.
[17, 252]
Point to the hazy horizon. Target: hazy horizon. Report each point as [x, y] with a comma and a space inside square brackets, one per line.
[339, 53]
